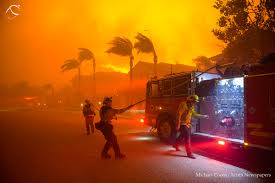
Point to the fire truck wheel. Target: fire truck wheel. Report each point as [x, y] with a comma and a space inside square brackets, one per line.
[166, 129]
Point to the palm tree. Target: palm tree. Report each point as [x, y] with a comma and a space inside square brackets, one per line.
[123, 47]
[86, 54]
[145, 45]
[70, 65]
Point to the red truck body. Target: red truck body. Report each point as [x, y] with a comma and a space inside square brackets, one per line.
[241, 109]
[260, 110]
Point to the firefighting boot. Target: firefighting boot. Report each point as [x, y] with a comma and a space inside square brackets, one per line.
[191, 156]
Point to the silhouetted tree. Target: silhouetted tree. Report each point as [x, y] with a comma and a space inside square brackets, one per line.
[23, 89]
[123, 47]
[86, 54]
[247, 27]
[145, 45]
[203, 63]
[72, 64]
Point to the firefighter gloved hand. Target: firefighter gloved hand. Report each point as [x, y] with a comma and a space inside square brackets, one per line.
[205, 116]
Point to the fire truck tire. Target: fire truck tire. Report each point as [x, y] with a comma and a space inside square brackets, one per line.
[166, 129]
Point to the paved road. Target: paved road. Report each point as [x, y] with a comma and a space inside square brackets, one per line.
[52, 147]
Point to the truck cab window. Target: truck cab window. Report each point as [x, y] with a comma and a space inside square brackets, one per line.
[181, 87]
[148, 90]
[155, 90]
[166, 88]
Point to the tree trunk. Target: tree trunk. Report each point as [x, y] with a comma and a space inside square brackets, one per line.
[131, 69]
[155, 65]
[131, 79]
[94, 79]
[79, 79]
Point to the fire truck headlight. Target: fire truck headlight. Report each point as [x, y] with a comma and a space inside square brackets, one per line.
[141, 120]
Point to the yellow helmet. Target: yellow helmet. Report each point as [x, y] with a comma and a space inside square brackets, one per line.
[193, 98]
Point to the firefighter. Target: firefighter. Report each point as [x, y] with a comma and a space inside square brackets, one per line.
[107, 113]
[89, 114]
[184, 114]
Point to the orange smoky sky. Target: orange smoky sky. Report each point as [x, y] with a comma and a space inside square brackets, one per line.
[35, 44]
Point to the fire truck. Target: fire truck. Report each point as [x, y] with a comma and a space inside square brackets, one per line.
[241, 108]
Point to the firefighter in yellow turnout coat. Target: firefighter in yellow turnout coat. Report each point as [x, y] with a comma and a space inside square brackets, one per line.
[185, 113]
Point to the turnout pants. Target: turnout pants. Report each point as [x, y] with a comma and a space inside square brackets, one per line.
[89, 122]
[185, 133]
[111, 142]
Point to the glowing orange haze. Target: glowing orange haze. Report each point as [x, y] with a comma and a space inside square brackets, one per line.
[48, 32]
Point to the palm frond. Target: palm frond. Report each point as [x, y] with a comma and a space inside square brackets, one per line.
[70, 64]
[144, 44]
[121, 46]
[85, 54]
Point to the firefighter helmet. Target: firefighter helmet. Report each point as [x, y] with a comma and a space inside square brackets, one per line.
[193, 98]
[107, 99]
